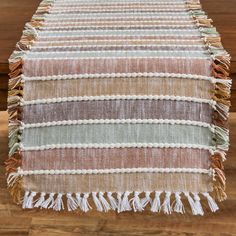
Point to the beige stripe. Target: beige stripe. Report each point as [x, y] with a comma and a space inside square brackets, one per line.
[117, 86]
[119, 182]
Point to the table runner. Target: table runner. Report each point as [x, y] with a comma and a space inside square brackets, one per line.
[118, 105]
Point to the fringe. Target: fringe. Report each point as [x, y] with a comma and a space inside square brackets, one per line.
[128, 201]
[15, 94]
[220, 94]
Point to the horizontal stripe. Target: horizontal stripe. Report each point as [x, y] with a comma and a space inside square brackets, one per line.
[120, 21]
[117, 145]
[95, 158]
[60, 86]
[117, 133]
[118, 54]
[118, 109]
[119, 182]
[167, 16]
[120, 75]
[118, 97]
[117, 121]
[94, 46]
[111, 40]
[64, 65]
[117, 27]
[115, 171]
[130, 14]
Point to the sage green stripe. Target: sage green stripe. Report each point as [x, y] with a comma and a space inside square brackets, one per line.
[117, 133]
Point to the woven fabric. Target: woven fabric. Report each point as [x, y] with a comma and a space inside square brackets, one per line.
[118, 105]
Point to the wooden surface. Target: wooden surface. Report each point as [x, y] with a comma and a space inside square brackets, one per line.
[14, 14]
[14, 221]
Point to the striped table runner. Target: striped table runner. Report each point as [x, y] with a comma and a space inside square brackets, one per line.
[118, 105]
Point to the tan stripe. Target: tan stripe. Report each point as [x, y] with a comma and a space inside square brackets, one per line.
[118, 182]
[117, 86]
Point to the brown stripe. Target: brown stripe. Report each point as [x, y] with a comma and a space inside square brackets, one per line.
[117, 109]
[47, 67]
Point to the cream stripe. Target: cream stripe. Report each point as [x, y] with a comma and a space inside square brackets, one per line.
[117, 97]
[73, 23]
[119, 45]
[120, 39]
[118, 145]
[48, 28]
[122, 75]
[115, 171]
[77, 18]
[119, 121]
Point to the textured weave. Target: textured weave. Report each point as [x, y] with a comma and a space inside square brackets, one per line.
[118, 105]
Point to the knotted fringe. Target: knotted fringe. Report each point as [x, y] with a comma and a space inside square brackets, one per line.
[221, 94]
[125, 201]
[15, 94]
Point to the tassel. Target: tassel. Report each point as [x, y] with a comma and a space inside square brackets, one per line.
[179, 207]
[78, 199]
[191, 203]
[125, 206]
[222, 154]
[72, 203]
[41, 199]
[105, 204]
[48, 201]
[25, 199]
[166, 204]
[113, 201]
[84, 203]
[119, 199]
[211, 202]
[28, 200]
[147, 199]
[12, 178]
[136, 202]
[58, 203]
[156, 204]
[222, 138]
[97, 202]
[198, 205]
[222, 110]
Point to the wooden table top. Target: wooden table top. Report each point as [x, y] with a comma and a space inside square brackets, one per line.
[15, 14]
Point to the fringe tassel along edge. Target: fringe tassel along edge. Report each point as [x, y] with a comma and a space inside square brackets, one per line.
[158, 201]
[221, 93]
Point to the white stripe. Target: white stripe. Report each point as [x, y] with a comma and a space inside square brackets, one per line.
[74, 23]
[118, 45]
[118, 145]
[123, 11]
[118, 97]
[115, 171]
[120, 39]
[118, 121]
[119, 75]
[77, 18]
[48, 28]
[115, 3]
[99, 15]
